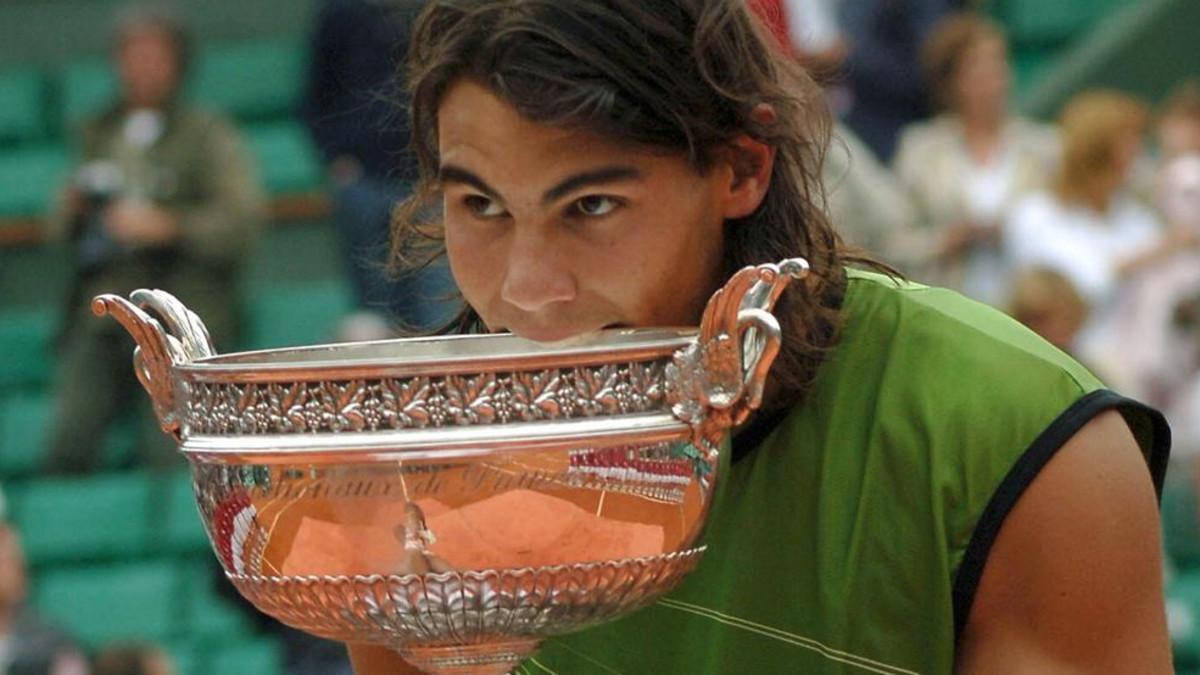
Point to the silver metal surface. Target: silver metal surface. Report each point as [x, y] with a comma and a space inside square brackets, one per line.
[457, 499]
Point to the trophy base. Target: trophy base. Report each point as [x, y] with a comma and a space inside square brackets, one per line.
[496, 658]
[469, 621]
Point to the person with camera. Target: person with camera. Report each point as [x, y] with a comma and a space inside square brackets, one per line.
[164, 196]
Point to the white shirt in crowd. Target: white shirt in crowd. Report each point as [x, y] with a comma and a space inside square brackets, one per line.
[1089, 248]
[1086, 246]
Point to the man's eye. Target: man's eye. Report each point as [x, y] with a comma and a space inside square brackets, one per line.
[596, 205]
[483, 207]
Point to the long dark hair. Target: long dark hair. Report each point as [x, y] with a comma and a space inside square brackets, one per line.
[682, 75]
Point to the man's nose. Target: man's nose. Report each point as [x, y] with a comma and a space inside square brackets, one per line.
[538, 273]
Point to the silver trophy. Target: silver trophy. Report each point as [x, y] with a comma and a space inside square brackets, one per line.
[458, 499]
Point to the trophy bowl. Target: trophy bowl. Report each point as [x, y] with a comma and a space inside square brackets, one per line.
[458, 499]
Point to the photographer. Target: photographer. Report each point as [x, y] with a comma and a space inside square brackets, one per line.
[164, 197]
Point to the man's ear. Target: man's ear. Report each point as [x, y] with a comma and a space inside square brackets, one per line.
[750, 163]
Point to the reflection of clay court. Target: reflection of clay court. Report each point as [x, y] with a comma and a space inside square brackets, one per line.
[519, 510]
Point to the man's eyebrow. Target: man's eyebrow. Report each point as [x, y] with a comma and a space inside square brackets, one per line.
[449, 173]
[599, 176]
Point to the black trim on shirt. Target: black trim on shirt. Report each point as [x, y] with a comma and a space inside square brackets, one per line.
[1149, 428]
[745, 441]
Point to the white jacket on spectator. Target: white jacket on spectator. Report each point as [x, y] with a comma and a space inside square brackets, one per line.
[868, 206]
[950, 189]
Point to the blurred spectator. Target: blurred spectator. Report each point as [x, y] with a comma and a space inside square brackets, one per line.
[810, 31]
[1178, 127]
[966, 167]
[133, 659]
[866, 203]
[817, 34]
[1048, 304]
[164, 196]
[886, 87]
[1087, 226]
[28, 645]
[864, 200]
[353, 93]
[1166, 302]
[1091, 230]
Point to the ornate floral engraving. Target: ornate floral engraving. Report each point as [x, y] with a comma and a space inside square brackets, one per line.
[420, 402]
[468, 607]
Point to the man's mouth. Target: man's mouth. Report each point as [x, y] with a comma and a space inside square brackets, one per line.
[559, 333]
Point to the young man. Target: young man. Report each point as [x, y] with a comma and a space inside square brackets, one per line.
[930, 488]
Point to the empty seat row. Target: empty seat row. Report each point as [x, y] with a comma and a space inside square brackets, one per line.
[252, 81]
[276, 315]
[1040, 22]
[26, 336]
[159, 601]
[107, 517]
[31, 175]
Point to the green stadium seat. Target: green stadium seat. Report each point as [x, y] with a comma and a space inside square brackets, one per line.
[133, 601]
[22, 106]
[286, 157]
[25, 341]
[1183, 613]
[257, 80]
[24, 423]
[29, 178]
[85, 88]
[1040, 22]
[209, 616]
[188, 657]
[1181, 523]
[261, 656]
[180, 530]
[91, 518]
[296, 314]
[1029, 64]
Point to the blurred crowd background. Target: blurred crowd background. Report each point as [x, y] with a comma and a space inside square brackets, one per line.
[1039, 156]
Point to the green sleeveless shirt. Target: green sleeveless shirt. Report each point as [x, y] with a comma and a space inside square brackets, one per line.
[852, 537]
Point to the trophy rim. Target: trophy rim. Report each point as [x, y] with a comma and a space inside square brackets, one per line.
[445, 443]
[436, 355]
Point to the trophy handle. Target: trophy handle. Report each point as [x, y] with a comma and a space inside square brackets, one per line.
[761, 339]
[718, 380]
[158, 350]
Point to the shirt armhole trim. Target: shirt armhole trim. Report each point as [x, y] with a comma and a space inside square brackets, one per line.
[1149, 428]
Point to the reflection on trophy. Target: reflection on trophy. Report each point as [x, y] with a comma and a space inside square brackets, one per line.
[458, 499]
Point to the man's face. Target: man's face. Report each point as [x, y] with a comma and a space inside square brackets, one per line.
[148, 63]
[553, 233]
